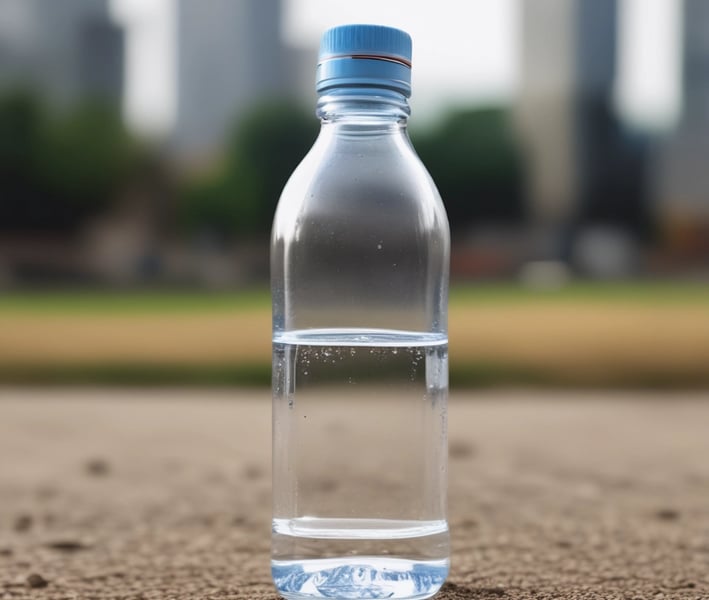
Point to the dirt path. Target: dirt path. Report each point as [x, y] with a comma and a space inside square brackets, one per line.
[162, 494]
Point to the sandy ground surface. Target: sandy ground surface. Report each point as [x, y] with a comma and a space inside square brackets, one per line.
[165, 494]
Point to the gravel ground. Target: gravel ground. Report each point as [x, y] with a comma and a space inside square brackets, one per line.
[166, 494]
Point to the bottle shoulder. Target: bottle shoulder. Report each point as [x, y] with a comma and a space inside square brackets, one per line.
[379, 176]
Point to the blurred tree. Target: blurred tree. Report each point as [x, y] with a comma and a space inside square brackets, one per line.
[472, 156]
[58, 169]
[86, 156]
[474, 159]
[240, 196]
[21, 130]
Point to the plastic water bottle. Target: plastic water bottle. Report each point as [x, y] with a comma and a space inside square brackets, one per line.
[359, 261]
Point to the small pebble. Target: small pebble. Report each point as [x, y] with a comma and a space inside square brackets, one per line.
[326, 485]
[667, 514]
[5, 551]
[46, 492]
[67, 545]
[97, 467]
[460, 449]
[37, 581]
[23, 523]
[498, 590]
[252, 472]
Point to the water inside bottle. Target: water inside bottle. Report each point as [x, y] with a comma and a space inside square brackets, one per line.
[359, 464]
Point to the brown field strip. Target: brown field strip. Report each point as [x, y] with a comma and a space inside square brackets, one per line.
[588, 337]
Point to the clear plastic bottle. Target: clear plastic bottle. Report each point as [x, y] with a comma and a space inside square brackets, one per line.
[359, 267]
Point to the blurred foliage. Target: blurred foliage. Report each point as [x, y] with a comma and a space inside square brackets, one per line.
[472, 156]
[240, 196]
[58, 168]
[475, 161]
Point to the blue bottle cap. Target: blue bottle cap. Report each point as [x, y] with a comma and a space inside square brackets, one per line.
[365, 55]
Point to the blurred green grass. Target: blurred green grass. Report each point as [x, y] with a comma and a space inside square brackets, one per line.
[176, 301]
[140, 302]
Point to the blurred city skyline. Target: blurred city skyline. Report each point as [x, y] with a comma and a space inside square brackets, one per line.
[475, 58]
[172, 59]
[569, 132]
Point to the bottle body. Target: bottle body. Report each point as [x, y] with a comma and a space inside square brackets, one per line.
[359, 262]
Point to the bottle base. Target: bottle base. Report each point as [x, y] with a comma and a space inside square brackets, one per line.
[359, 577]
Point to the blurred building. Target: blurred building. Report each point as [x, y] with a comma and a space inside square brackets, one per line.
[67, 50]
[544, 107]
[585, 171]
[229, 56]
[683, 171]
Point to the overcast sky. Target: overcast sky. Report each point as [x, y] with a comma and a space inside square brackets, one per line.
[464, 52]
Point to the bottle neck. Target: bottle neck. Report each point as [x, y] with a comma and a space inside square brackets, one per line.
[370, 107]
